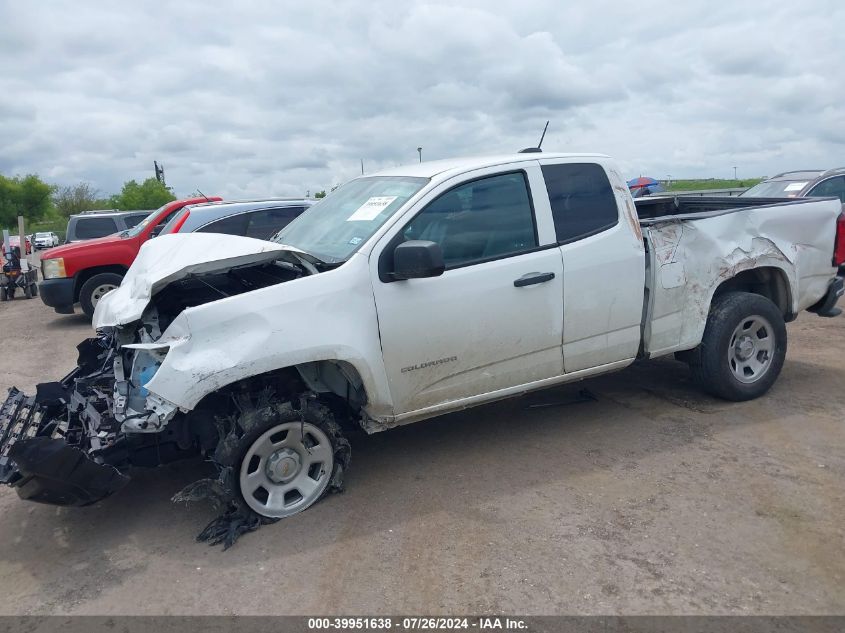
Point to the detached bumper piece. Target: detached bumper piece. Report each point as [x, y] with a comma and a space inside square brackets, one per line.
[43, 468]
[827, 306]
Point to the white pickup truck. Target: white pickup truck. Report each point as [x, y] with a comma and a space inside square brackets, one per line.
[406, 295]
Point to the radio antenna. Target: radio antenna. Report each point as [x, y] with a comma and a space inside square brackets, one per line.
[536, 150]
[540, 144]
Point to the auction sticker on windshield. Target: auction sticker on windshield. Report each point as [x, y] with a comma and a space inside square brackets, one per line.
[795, 186]
[370, 209]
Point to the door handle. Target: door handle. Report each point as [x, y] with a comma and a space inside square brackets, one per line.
[529, 279]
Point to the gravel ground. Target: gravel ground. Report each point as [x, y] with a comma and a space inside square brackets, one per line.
[652, 499]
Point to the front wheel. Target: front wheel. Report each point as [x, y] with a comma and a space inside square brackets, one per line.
[281, 460]
[743, 347]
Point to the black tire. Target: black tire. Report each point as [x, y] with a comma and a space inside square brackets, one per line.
[719, 361]
[253, 421]
[3, 296]
[86, 294]
[34, 290]
[27, 291]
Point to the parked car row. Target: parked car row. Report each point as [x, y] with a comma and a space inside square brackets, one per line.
[84, 272]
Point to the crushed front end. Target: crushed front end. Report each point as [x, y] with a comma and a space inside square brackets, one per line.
[59, 446]
[72, 443]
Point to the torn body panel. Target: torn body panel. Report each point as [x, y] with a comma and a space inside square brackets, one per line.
[691, 256]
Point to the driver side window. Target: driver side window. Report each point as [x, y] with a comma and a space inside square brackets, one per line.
[163, 222]
[478, 221]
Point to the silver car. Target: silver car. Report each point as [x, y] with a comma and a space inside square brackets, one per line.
[260, 219]
[45, 240]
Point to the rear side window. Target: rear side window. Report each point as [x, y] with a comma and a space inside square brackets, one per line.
[582, 200]
[233, 225]
[833, 187]
[265, 223]
[90, 228]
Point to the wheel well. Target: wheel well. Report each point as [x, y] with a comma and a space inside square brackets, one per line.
[767, 281]
[337, 383]
[84, 275]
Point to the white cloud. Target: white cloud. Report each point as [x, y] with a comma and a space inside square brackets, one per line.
[279, 98]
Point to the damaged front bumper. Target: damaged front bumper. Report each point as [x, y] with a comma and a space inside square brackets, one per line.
[72, 442]
[37, 461]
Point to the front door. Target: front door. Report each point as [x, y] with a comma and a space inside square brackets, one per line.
[493, 320]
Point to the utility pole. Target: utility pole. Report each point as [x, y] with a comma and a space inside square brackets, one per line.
[362, 166]
[734, 172]
[22, 234]
[419, 151]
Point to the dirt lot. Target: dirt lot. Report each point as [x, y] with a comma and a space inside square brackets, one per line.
[652, 499]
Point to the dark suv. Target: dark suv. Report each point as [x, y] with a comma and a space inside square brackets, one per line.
[93, 224]
[807, 183]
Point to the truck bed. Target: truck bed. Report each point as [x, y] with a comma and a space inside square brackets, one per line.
[654, 209]
[693, 245]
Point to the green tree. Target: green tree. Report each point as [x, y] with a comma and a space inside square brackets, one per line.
[320, 194]
[150, 194]
[28, 196]
[78, 198]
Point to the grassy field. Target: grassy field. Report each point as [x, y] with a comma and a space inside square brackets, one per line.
[711, 183]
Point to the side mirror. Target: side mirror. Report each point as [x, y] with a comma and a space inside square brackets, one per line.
[416, 259]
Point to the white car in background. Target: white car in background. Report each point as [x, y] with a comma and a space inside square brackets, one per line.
[45, 240]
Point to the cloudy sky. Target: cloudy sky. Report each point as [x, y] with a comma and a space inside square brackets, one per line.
[282, 97]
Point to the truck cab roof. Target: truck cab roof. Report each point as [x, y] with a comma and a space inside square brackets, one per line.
[442, 169]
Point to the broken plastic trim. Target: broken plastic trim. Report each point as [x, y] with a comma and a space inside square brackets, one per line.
[50, 471]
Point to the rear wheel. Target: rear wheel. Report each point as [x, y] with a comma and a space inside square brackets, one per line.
[3, 296]
[743, 347]
[95, 289]
[27, 291]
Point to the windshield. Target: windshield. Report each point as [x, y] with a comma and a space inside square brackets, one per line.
[336, 226]
[775, 189]
[136, 230]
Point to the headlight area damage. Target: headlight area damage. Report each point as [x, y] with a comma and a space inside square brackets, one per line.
[275, 449]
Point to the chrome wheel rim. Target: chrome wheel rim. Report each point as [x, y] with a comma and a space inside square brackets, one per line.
[751, 349]
[100, 291]
[286, 469]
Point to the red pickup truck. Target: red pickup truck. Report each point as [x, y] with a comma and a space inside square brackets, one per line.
[83, 272]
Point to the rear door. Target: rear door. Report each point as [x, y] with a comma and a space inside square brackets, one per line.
[603, 264]
[493, 319]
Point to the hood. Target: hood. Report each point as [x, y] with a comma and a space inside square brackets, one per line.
[64, 250]
[169, 258]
